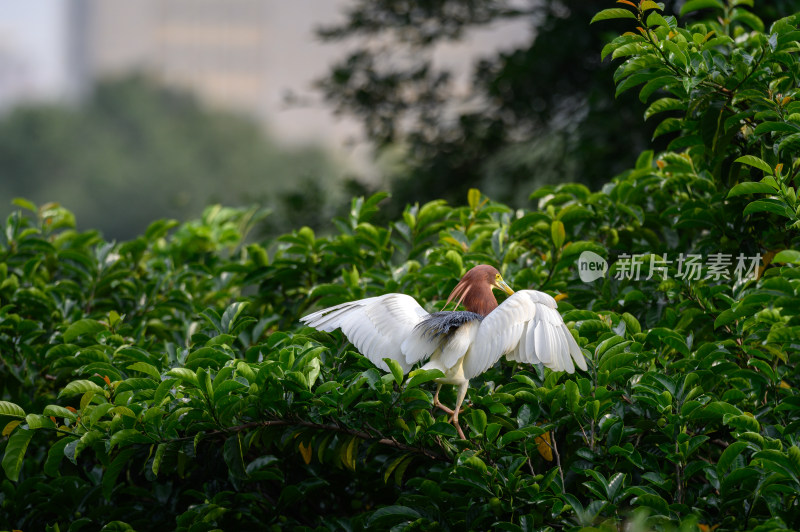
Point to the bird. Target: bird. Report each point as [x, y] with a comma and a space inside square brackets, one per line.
[462, 344]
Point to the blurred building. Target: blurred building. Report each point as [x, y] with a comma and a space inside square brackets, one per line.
[245, 55]
[215, 48]
[15, 76]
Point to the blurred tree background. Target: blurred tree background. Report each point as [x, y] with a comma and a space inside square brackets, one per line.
[133, 152]
[538, 112]
[543, 112]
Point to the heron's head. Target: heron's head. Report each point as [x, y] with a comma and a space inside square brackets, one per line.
[475, 289]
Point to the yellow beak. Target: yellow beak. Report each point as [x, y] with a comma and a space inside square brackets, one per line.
[502, 285]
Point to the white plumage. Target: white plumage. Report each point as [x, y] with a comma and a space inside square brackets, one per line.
[526, 327]
[376, 326]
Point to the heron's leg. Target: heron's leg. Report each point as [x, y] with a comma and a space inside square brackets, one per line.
[436, 402]
[462, 392]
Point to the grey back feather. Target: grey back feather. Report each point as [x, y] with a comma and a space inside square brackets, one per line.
[443, 324]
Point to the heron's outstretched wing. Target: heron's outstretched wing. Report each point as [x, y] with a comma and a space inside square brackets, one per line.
[526, 328]
[376, 326]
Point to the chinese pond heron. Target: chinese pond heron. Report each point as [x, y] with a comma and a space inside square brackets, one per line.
[461, 344]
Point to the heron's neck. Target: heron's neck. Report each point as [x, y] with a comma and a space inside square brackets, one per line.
[480, 300]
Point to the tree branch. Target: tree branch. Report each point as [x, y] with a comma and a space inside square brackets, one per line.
[389, 442]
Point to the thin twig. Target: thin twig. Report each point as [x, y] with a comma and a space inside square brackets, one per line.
[528, 459]
[558, 456]
[679, 476]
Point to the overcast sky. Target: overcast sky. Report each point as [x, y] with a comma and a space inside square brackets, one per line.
[33, 30]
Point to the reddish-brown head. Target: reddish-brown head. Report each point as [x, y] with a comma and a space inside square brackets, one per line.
[475, 289]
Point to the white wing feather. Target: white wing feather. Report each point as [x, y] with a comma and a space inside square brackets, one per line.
[526, 328]
[376, 326]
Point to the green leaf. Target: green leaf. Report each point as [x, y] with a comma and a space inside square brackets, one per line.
[54, 456]
[510, 436]
[634, 80]
[59, 411]
[116, 526]
[788, 256]
[233, 455]
[695, 5]
[662, 105]
[394, 465]
[768, 127]
[714, 411]
[163, 389]
[127, 437]
[492, 431]
[776, 461]
[112, 472]
[212, 317]
[82, 328]
[423, 375]
[668, 125]
[15, 453]
[649, 4]
[725, 317]
[612, 13]
[160, 451]
[655, 502]
[655, 19]
[25, 204]
[136, 383]
[477, 420]
[632, 325]
[677, 52]
[655, 84]
[748, 19]
[11, 409]
[230, 315]
[159, 229]
[573, 395]
[631, 48]
[443, 428]
[750, 187]
[389, 516]
[396, 369]
[326, 387]
[226, 387]
[80, 387]
[574, 249]
[473, 198]
[99, 411]
[768, 205]
[558, 233]
[782, 334]
[34, 422]
[794, 456]
[313, 368]
[185, 374]
[741, 422]
[146, 368]
[790, 143]
[756, 162]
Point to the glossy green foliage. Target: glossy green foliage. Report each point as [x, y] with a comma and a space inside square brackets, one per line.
[165, 382]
